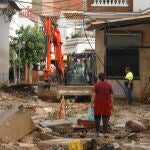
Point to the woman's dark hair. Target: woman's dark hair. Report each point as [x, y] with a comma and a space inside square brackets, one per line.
[127, 68]
[101, 76]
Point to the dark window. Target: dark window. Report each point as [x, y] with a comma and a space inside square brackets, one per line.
[122, 51]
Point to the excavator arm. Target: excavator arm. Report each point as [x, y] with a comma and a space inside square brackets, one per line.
[58, 50]
[48, 49]
[77, 83]
[52, 35]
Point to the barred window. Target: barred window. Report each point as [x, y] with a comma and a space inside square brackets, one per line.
[122, 50]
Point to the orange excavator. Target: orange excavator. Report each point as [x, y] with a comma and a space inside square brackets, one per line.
[52, 35]
[77, 78]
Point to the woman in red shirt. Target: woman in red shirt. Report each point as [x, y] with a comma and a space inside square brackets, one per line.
[102, 101]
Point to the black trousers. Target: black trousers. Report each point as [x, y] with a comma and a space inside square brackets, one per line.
[104, 120]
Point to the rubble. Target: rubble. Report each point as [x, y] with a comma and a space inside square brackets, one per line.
[146, 123]
[25, 145]
[75, 126]
[135, 146]
[132, 136]
[15, 124]
[134, 126]
[121, 134]
[64, 143]
[48, 123]
[86, 123]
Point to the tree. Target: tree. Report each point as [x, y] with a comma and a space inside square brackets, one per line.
[32, 52]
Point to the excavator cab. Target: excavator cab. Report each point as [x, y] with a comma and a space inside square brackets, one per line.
[81, 69]
[79, 77]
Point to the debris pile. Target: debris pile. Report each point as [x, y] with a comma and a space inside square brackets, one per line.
[26, 124]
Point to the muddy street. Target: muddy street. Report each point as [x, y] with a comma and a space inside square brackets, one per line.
[47, 131]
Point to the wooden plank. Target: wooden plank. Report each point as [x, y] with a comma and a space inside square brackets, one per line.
[49, 123]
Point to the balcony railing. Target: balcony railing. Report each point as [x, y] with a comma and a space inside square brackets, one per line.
[26, 13]
[97, 6]
[110, 3]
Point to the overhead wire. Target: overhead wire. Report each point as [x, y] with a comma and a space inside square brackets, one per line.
[40, 16]
[67, 6]
[86, 35]
[60, 17]
[64, 17]
[57, 8]
[42, 2]
[37, 13]
[108, 23]
[27, 33]
[100, 60]
[60, 8]
[60, 26]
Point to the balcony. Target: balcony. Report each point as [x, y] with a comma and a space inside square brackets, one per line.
[26, 13]
[109, 5]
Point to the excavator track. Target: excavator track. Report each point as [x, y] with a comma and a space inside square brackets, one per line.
[74, 90]
[56, 92]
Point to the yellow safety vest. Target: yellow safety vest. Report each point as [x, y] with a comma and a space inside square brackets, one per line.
[129, 76]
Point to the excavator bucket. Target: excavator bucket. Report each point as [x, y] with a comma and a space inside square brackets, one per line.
[46, 93]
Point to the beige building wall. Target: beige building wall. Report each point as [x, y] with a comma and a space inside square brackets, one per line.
[144, 57]
[100, 50]
[37, 9]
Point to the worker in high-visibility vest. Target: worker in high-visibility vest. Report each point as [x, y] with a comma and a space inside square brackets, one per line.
[129, 84]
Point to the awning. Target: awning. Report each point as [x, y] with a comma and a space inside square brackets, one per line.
[77, 15]
[117, 23]
[14, 5]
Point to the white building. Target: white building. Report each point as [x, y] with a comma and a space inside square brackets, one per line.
[22, 18]
[102, 9]
[6, 11]
[141, 5]
[72, 28]
[79, 45]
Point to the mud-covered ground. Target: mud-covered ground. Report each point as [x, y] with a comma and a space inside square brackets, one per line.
[122, 112]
